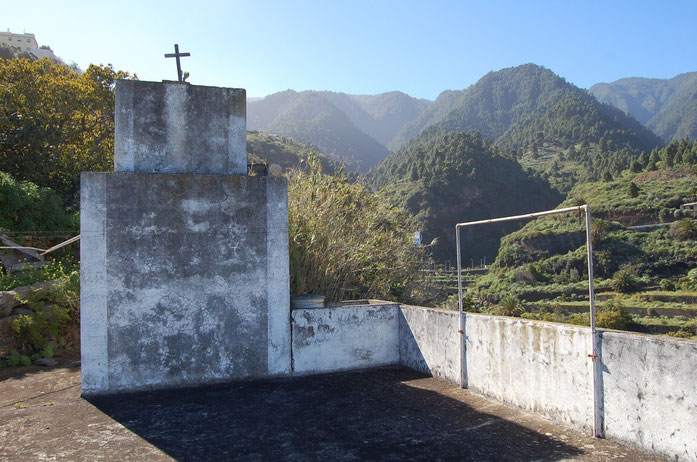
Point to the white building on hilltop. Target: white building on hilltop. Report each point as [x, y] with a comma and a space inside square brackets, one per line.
[27, 43]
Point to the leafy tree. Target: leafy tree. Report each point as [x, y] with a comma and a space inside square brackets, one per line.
[56, 123]
[27, 208]
[632, 190]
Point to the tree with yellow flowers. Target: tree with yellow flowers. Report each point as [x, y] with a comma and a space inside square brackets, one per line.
[56, 122]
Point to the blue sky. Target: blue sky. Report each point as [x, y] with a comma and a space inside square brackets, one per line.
[366, 47]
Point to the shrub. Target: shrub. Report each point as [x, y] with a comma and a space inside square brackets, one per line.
[632, 190]
[16, 359]
[28, 207]
[346, 242]
[54, 321]
[55, 269]
[666, 284]
[682, 333]
[509, 306]
[684, 229]
[624, 281]
[529, 274]
[612, 315]
[580, 319]
[618, 318]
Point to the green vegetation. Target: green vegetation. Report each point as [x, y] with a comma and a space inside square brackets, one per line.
[553, 127]
[444, 178]
[28, 209]
[56, 122]
[283, 154]
[666, 106]
[54, 269]
[544, 263]
[346, 242]
[53, 326]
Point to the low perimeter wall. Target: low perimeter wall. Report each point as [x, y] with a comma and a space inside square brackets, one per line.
[648, 393]
[647, 383]
[344, 337]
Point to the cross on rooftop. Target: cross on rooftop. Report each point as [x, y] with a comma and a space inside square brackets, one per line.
[177, 55]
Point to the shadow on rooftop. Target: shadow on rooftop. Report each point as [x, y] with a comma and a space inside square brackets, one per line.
[369, 415]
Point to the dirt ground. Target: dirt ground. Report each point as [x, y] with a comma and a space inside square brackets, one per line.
[383, 414]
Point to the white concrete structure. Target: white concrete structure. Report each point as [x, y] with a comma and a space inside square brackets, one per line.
[346, 337]
[26, 42]
[647, 383]
[184, 257]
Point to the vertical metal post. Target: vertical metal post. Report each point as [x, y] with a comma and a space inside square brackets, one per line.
[461, 329]
[598, 430]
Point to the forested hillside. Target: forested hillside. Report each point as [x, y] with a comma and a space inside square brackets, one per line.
[283, 154]
[547, 256]
[444, 178]
[554, 127]
[351, 128]
[666, 106]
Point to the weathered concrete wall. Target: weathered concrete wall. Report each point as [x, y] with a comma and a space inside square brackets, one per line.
[429, 342]
[649, 388]
[184, 279]
[345, 337]
[648, 383]
[541, 367]
[179, 128]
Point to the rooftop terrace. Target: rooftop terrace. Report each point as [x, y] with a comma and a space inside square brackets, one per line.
[381, 414]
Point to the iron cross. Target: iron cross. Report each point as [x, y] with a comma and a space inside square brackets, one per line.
[177, 55]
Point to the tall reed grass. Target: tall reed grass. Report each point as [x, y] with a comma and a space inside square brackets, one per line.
[347, 242]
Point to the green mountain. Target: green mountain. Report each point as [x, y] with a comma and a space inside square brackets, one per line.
[381, 116]
[554, 127]
[547, 257]
[666, 106]
[448, 177]
[282, 154]
[350, 128]
[431, 114]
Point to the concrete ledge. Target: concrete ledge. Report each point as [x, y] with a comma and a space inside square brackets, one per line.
[649, 392]
[344, 337]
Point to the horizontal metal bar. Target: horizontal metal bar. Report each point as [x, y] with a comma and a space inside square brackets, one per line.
[520, 217]
[62, 244]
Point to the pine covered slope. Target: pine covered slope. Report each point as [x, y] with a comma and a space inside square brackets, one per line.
[666, 106]
[444, 178]
[540, 118]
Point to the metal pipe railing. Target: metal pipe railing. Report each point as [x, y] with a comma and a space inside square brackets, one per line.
[598, 430]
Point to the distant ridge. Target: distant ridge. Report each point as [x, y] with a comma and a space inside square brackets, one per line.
[666, 106]
[351, 128]
[540, 118]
